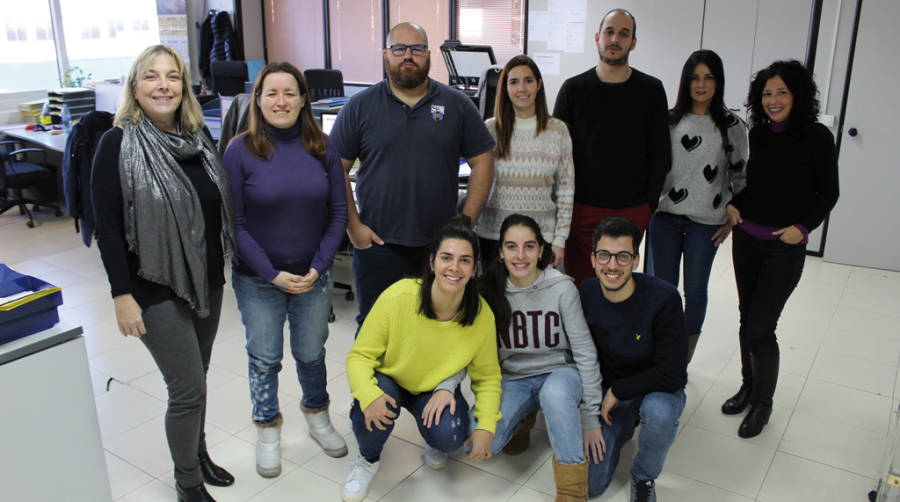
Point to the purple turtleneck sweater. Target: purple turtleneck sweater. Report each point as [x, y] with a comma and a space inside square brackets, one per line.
[290, 211]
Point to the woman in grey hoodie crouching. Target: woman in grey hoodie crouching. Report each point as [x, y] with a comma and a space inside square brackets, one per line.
[547, 358]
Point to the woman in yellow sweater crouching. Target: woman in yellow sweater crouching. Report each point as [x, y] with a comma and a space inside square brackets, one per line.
[419, 333]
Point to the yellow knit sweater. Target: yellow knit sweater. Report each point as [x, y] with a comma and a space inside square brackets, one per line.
[419, 353]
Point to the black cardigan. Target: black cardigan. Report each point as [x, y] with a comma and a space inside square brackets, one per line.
[121, 264]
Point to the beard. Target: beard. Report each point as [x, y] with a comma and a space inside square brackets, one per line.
[406, 79]
[623, 60]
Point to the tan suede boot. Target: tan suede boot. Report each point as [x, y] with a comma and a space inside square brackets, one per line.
[571, 481]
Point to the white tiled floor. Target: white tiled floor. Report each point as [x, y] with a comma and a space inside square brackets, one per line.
[838, 386]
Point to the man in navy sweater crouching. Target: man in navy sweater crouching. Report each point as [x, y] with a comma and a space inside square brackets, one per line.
[637, 323]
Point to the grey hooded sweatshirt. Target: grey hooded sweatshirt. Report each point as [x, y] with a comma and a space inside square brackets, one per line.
[547, 330]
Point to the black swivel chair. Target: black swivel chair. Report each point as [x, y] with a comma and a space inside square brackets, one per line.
[324, 83]
[487, 91]
[18, 174]
[228, 77]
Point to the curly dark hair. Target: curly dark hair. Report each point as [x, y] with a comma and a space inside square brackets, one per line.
[799, 81]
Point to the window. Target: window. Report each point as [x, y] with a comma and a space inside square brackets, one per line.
[498, 23]
[91, 48]
[304, 48]
[434, 17]
[42, 32]
[93, 32]
[27, 60]
[356, 39]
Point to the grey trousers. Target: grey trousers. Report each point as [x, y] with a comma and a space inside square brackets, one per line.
[181, 344]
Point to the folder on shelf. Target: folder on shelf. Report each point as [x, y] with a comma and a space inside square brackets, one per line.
[27, 304]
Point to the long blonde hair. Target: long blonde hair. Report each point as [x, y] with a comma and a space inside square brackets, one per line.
[189, 114]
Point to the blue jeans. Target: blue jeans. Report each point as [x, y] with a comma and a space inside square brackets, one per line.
[447, 436]
[264, 308]
[658, 413]
[557, 394]
[672, 236]
[377, 267]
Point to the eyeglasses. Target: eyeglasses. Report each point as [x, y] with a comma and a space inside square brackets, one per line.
[623, 258]
[399, 50]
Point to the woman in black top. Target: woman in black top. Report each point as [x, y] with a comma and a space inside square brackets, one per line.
[792, 184]
[164, 222]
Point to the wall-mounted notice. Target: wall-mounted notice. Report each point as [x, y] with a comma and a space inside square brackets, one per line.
[547, 62]
[537, 26]
[561, 26]
[173, 26]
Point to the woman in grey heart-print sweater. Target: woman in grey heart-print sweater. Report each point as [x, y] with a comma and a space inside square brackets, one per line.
[709, 157]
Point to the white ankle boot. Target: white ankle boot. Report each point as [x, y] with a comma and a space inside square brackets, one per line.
[268, 448]
[321, 430]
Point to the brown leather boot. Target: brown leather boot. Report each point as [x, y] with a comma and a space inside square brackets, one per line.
[522, 437]
[571, 481]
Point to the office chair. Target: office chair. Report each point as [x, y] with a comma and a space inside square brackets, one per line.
[228, 77]
[18, 174]
[487, 91]
[324, 83]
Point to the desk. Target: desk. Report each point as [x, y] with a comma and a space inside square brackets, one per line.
[43, 139]
[51, 439]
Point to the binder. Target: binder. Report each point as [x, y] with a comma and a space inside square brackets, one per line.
[27, 304]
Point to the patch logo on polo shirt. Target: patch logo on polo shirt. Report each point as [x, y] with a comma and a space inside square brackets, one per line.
[437, 112]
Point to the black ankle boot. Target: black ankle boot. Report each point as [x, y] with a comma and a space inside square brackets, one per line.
[738, 402]
[212, 473]
[755, 421]
[765, 377]
[193, 494]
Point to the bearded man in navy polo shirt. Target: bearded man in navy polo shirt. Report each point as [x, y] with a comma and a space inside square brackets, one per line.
[408, 133]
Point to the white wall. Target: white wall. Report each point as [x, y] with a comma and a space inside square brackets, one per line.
[747, 34]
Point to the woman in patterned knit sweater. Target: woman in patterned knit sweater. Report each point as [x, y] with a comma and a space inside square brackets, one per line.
[534, 174]
[709, 154]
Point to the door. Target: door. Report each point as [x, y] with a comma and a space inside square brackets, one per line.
[864, 228]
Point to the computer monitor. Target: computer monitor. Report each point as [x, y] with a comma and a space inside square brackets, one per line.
[328, 122]
[465, 63]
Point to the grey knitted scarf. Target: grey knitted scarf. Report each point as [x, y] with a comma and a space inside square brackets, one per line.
[164, 222]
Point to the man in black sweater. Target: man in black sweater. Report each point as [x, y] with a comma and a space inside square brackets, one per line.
[617, 117]
[637, 323]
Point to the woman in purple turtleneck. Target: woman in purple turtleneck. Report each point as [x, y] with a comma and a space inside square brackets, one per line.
[290, 216]
[792, 184]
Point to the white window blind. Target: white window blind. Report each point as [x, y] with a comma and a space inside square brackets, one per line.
[498, 23]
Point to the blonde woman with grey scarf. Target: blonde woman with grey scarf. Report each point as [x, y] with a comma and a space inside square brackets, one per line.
[164, 227]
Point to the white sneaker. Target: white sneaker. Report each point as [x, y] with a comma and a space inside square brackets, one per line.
[434, 458]
[356, 486]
